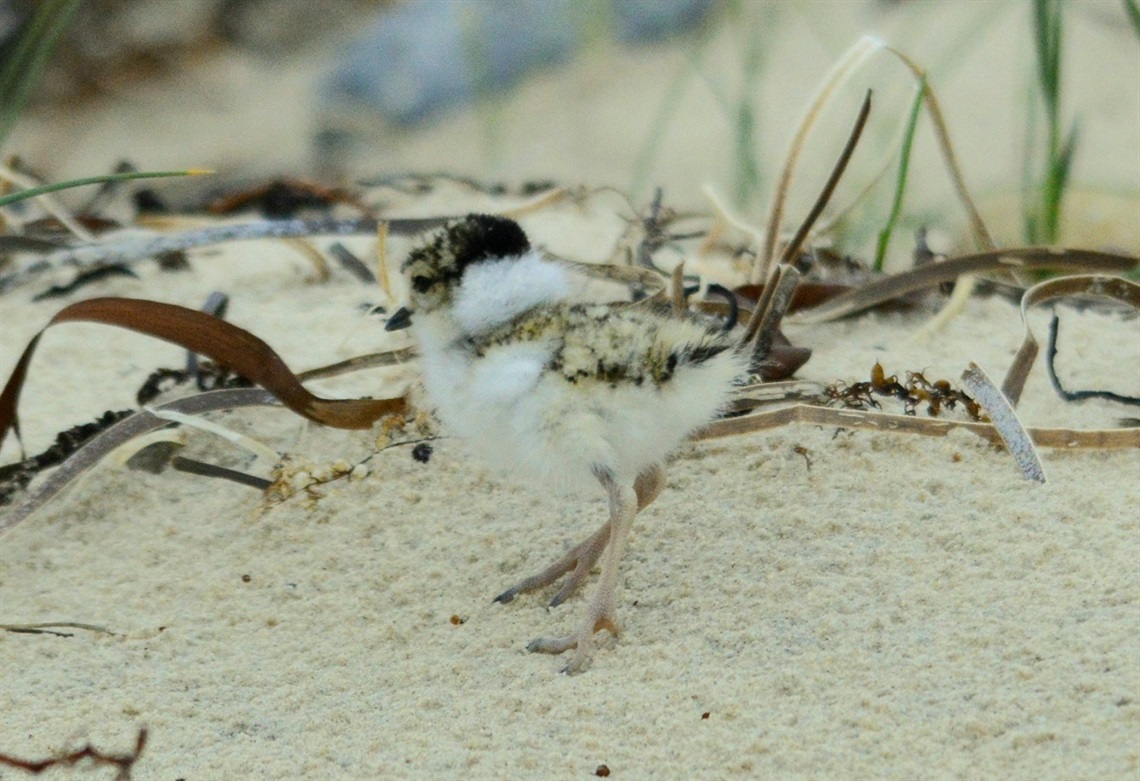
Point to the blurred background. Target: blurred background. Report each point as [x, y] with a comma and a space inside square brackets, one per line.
[684, 95]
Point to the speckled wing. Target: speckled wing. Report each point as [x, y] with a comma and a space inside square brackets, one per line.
[635, 344]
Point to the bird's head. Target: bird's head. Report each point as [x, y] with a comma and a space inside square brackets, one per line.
[435, 269]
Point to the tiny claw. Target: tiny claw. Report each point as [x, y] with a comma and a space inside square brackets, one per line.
[507, 596]
[564, 593]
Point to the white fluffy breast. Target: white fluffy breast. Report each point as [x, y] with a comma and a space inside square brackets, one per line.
[494, 292]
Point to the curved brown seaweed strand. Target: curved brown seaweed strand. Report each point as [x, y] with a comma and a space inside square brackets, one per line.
[223, 342]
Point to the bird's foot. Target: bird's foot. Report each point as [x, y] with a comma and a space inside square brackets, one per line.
[600, 616]
[578, 562]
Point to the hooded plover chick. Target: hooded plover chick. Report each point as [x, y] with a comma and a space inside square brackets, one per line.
[560, 393]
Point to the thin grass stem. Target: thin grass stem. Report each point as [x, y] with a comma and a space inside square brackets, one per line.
[21, 72]
[900, 184]
[32, 192]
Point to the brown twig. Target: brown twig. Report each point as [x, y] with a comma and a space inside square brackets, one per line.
[122, 762]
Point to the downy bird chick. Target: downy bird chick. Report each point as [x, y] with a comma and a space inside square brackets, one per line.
[558, 393]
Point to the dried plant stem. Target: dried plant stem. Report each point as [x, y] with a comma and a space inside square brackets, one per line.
[44, 627]
[359, 363]
[382, 273]
[1108, 439]
[133, 249]
[777, 295]
[1013, 259]
[259, 449]
[49, 204]
[982, 234]
[861, 51]
[955, 305]
[770, 309]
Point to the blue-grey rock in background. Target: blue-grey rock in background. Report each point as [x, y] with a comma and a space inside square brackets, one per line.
[643, 21]
[428, 55]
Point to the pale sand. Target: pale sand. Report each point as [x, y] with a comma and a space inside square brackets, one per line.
[904, 607]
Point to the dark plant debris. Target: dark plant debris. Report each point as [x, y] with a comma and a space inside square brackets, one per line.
[203, 469]
[423, 183]
[15, 477]
[1079, 395]
[915, 391]
[123, 763]
[352, 264]
[86, 277]
[284, 198]
[52, 628]
[209, 376]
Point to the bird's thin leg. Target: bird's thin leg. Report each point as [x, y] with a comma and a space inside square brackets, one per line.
[601, 613]
[580, 559]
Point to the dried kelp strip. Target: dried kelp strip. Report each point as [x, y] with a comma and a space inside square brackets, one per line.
[1106, 439]
[221, 341]
[123, 763]
[933, 274]
[203, 469]
[764, 324]
[1001, 414]
[1097, 285]
[1079, 395]
[135, 248]
[136, 425]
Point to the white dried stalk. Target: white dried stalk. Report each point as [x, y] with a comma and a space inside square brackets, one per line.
[1002, 415]
[259, 449]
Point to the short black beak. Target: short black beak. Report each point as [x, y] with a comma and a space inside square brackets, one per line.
[400, 319]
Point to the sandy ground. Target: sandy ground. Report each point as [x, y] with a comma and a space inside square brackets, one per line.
[802, 602]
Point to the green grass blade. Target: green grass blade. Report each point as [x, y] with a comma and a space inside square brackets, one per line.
[25, 62]
[900, 185]
[32, 192]
[1132, 8]
[1055, 183]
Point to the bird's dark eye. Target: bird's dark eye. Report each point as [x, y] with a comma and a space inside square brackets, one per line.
[421, 284]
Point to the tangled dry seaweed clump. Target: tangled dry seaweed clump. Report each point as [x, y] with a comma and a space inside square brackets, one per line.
[915, 391]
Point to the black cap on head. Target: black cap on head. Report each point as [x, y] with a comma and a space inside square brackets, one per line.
[482, 236]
